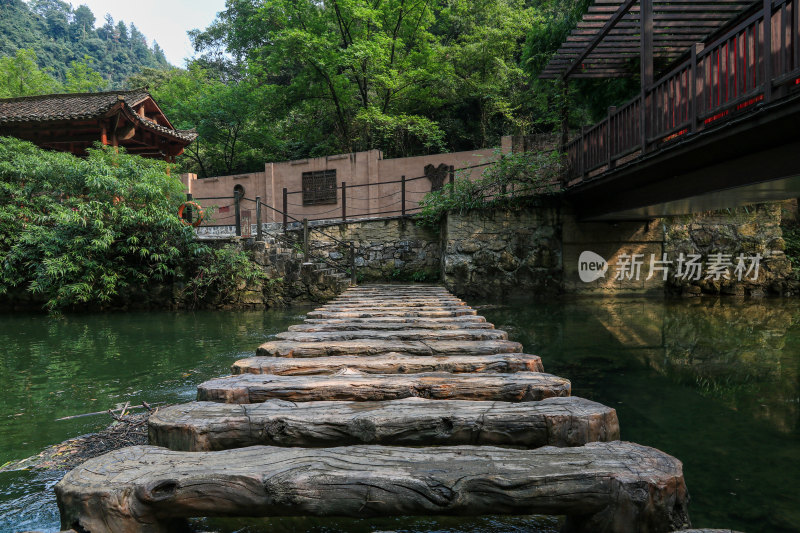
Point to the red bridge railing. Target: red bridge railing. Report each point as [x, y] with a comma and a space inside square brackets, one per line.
[720, 79]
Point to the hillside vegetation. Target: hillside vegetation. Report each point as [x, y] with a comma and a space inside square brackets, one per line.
[59, 35]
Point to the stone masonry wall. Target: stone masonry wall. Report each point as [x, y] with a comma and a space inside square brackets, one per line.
[385, 249]
[491, 254]
[743, 230]
[497, 253]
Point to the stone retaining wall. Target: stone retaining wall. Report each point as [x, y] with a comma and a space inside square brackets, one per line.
[492, 254]
[385, 249]
[537, 250]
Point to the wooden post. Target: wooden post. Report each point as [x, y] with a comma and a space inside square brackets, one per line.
[796, 34]
[646, 45]
[564, 115]
[189, 214]
[583, 152]
[344, 201]
[353, 277]
[452, 178]
[610, 138]
[305, 240]
[285, 209]
[403, 194]
[697, 87]
[259, 236]
[238, 213]
[767, 50]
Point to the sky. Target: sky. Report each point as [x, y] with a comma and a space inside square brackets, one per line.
[165, 21]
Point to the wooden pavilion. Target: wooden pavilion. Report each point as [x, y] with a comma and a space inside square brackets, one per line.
[74, 122]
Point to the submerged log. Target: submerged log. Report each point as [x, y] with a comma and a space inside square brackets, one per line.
[614, 487]
[208, 426]
[377, 347]
[256, 388]
[389, 364]
[403, 334]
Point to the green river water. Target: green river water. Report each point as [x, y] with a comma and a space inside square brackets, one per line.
[714, 382]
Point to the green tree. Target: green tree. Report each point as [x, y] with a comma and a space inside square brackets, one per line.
[58, 35]
[20, 76]
[82, 22]
[81, 231]
[81, 78]
[358, 62]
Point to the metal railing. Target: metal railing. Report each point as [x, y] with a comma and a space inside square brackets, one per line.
[749, 64]
[241, 224]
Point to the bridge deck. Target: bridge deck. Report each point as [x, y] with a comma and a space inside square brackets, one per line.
[250, 452]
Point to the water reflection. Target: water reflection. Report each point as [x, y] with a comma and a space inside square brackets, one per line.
[714, 383]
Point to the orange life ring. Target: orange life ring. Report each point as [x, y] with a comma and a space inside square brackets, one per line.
[201, 214]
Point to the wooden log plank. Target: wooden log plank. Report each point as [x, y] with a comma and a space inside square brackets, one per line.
[603, 487]
[393, 312]
[383, 302]
[209, 426]
[355, 386]
[357, 324]
[389, 364]
[399, 307]
[442, 321]
[396, 292]
[377, 347]
[399, 298]
[402, 334]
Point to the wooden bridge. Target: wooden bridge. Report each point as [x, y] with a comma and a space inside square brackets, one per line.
[391, 400]
[717, 128]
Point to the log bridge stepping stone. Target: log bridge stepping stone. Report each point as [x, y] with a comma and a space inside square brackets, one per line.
[313, 426]
[209, 426]
[389, 364]
[356, 386]
[604, 487]
[380, 346]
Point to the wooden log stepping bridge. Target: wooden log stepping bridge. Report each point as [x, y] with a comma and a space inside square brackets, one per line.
[392, 322]
[389, 364]
[604, 487]
[371, 346]
[404, 334]
[390, 400]
[358, 387]
[393, 311]
[209, 426]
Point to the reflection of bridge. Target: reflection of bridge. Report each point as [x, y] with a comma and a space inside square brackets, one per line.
[720, 127]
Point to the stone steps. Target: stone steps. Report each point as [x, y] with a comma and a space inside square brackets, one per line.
[402, 335]
[415, 322]
[210, 426]
[388, 364]
[358, 387]
[604, 487]
[377, 347]
[378, 368]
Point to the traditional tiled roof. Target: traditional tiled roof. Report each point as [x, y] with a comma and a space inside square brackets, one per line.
[81, 106]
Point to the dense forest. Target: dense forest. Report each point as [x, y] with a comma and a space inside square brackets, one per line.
[58, 35]
[285, 79]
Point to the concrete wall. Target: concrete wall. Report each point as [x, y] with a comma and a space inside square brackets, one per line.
[363, 172]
